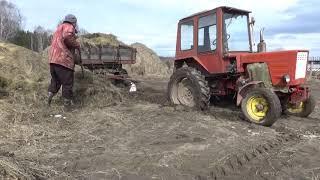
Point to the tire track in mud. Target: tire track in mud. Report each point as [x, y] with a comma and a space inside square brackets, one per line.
[250, 163]
[235, 164]
[150, 95]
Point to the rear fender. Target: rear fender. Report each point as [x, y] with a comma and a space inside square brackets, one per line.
[191, 62]
[244, 90]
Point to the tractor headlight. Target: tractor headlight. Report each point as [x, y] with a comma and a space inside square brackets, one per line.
[286, 78]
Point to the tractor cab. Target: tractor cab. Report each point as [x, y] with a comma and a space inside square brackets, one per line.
[213, 35]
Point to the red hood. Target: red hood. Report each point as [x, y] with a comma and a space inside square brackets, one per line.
[280, 63]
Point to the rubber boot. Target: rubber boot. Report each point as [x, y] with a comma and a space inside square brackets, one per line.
[67, 105]
[50, 97]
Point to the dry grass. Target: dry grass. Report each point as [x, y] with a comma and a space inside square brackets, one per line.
[21, 69]
[11, 170]
[24, 78]
[100, 39]
[95, 90]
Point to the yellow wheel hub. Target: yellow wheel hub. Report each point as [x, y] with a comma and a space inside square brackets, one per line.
[296, 109]
[257, 108]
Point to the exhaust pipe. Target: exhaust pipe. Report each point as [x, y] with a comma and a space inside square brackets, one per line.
[262, 46]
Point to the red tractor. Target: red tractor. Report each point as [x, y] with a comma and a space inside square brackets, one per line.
[215, 59]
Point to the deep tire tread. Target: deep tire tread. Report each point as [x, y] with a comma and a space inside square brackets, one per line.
[199, 82]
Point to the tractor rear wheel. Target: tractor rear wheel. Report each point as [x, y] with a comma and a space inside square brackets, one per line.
[188, 87]
[261, 106]
[304, 109]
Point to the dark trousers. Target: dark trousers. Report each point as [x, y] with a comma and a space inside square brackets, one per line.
[61, 76]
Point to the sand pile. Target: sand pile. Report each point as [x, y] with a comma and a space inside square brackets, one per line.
[148, 63]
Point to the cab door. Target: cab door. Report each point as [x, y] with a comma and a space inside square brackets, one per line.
[207, 43]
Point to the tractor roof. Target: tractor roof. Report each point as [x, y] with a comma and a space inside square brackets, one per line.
[221, 7]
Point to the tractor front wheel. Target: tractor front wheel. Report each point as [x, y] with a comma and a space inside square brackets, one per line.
[188, 87]
[261, 106]
[303, 109]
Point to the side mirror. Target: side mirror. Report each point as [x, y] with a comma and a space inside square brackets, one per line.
[253, 21]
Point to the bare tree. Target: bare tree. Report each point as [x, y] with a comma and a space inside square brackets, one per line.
[39, 34]
[10, 20]
[42, 38]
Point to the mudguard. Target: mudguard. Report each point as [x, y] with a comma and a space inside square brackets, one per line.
[244, 90]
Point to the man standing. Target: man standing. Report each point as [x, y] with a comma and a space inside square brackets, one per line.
[64, 44]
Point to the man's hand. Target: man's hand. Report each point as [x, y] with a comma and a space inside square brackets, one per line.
[77, 57]
[71, 42]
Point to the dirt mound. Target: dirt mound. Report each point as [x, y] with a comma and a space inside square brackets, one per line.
[95, 90]
[148, 63]
[24, 79]
[20, 68]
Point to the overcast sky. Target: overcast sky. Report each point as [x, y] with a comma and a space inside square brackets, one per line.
[290, 24]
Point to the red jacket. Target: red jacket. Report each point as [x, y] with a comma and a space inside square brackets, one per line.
[63, 44]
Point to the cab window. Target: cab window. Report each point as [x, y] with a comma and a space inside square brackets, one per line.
[207, 33]
[235, 34]
[187, 36]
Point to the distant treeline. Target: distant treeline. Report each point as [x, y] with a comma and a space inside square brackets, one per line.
[11, 29]
[37, 41]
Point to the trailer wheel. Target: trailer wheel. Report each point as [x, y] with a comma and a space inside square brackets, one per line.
[121, 72]
[304, 109]
[188, 87]
[120, 82]
[261, 106]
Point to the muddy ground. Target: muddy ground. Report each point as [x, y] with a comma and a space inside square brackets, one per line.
[144, 138]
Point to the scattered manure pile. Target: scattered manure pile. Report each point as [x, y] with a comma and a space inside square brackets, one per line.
[148, 63]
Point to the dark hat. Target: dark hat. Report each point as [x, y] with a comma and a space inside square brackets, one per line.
[70, 18]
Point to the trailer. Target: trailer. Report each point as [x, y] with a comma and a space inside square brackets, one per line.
[108, 60]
